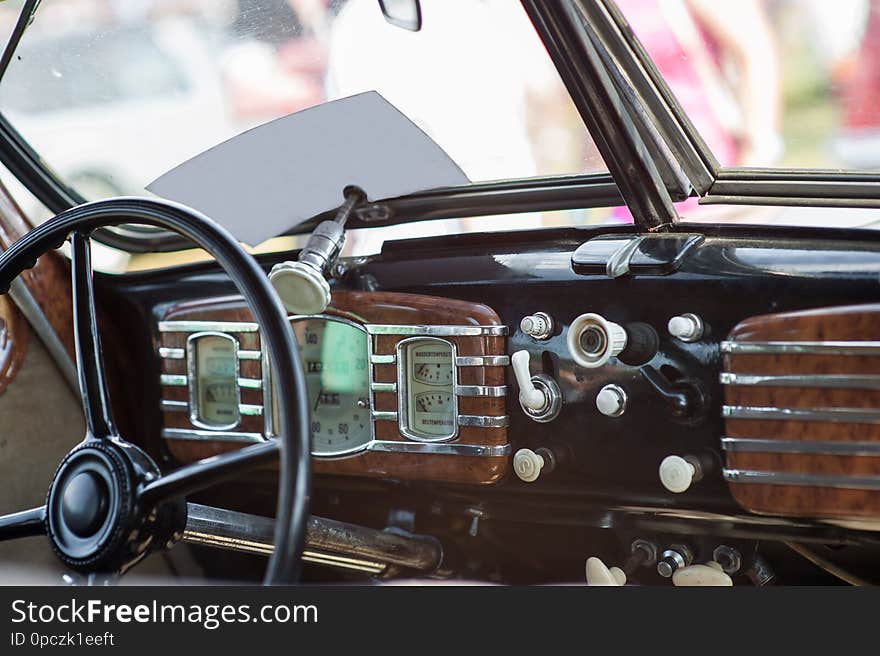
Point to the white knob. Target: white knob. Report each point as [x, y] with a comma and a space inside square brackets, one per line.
[528, 465]
[710, 574]
[538, 325]
[301, 287]
[593, 340]
[611, 401]
[676, 474]
[530, 396]
[598, 573]
[686, 327]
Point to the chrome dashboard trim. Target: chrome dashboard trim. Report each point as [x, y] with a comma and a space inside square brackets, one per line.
[383, 359]
[384, 415]
[823, 447]
[208, 326]
[221, 436]
[836, 381]
[173, 380]
[481, 421]
[384, 387]
[482, 361]
[170, 353]
[851, 415]
[436, 330]
[173, 406]
[493, 391]
[795, 478]
[803, 347]
[441, 448]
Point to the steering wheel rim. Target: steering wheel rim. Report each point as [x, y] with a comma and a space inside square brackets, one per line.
[276, 336]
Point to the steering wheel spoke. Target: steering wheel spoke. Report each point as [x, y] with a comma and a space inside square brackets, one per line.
[24, 524]
[89, 359]
[204, 473]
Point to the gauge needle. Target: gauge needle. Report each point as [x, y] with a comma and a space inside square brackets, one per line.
[318, 400]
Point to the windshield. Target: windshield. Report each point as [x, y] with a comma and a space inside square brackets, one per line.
[113, 93]
[771, 83]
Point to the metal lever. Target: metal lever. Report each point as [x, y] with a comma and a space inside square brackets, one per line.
[328, 542]
[539, 395]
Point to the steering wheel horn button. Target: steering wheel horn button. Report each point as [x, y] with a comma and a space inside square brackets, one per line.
[84, 503]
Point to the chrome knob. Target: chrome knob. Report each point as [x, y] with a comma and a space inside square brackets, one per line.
[611, 401]
[686, 327]
[538, 325]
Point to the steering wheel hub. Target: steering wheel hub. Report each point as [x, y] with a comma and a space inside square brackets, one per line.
[84, 503]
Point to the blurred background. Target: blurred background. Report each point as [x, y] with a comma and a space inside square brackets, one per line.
[113, 93]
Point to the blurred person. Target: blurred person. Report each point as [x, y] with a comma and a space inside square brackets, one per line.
[720, 60]
[858, 141]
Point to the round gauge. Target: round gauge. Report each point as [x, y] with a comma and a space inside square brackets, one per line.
[336, 362]
[436, 402]
[432, 363]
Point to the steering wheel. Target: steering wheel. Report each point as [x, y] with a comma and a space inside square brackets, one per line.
[109, 505]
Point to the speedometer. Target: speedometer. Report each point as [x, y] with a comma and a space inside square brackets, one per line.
[335, 357]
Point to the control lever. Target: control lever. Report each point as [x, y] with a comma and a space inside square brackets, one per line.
[539, 395]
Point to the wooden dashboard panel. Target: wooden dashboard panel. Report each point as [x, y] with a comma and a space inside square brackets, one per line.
[478, 454]
[802, 413]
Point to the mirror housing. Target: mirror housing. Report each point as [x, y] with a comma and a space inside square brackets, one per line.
[406, 14]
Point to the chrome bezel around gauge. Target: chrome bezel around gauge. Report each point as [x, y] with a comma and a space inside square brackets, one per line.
[403, 400]
[193, 380]
[372, 424]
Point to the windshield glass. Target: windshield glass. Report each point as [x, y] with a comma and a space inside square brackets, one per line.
[113, 93]
[771, 83]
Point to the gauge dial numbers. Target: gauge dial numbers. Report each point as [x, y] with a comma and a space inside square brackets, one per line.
[427, 371]
[335, 357]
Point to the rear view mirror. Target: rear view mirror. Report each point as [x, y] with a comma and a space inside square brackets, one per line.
[403, 13]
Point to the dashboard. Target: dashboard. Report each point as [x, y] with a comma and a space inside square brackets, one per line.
[399, 385]
[411, 374]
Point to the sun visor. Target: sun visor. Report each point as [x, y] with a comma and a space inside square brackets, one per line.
[273, 177]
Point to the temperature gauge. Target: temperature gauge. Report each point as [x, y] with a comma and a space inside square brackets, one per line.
[428, 371]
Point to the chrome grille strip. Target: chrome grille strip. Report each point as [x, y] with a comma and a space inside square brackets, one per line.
[481, 390]
[384, 415]
[436, 330]
[482, 361]
[441, 448]
[383, 387]
[249, 355]
[823, 447]
[838, 381]
[169, 353]
[851, 415]
[795, 478]
[803, 347]
[248, 410]
[208, 326]
[199, 435]
[173, 406]
[481, 421]
[383, 359]
[244, 409]
[180, 380]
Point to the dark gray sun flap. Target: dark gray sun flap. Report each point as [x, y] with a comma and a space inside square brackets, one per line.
[273, 177]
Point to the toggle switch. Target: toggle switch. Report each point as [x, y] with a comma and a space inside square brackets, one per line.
[539, 395]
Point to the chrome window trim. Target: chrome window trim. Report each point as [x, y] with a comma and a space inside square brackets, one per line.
[823, 447]
[193, 382]
[835, 381]
[403, 391]
[749, 476]
[851, 415]
[803, 347]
